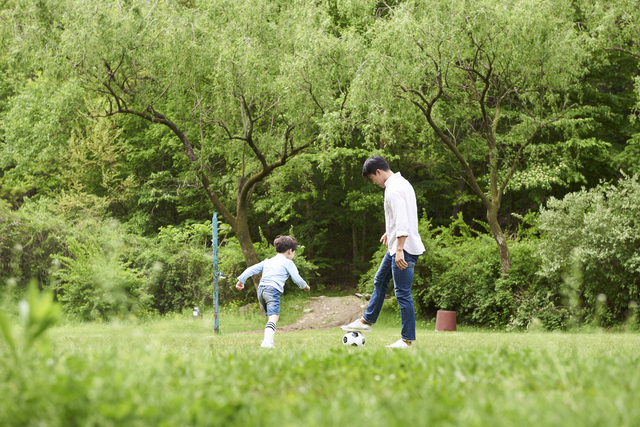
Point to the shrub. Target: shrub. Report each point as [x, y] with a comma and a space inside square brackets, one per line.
[86, 262]
[96, 281]
[178, 267]
[100, 268]
[460, 271]
[598, 231]
[28, 239]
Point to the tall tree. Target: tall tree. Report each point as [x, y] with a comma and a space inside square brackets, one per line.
[615, 27]
[239, 84]
[485, 77]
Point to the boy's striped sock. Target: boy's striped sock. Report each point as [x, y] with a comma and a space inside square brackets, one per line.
[269, 332]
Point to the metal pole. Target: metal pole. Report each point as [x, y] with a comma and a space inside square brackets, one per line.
[216, 273]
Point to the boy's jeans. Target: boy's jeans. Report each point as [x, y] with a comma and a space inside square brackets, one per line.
[269, 298]
[402, 285]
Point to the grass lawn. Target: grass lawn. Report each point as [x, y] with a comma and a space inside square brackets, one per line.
[174, 371]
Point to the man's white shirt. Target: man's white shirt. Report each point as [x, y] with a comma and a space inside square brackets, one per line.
[401, 215]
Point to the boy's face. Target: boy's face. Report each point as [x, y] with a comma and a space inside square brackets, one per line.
[290, 254]
[377, 178]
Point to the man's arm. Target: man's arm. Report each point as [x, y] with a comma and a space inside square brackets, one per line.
[396, 199]
[400, 262]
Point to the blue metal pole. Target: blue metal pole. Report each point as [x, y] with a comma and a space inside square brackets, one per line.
[216, 273]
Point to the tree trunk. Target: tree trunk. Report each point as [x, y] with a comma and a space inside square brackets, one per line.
[457, 208]
[364, 236]
[246, 244]
[354, 239]
[496, 230]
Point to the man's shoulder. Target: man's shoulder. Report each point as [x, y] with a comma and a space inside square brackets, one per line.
[399, 186]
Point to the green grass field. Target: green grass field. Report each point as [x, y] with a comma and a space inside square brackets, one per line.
[174, 371]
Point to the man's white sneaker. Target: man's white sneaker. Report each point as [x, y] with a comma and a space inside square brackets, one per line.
[356, 326]
[267, 345]
[399, 344]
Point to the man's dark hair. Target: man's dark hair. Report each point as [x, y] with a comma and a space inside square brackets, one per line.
[284, 243]
[372, 164]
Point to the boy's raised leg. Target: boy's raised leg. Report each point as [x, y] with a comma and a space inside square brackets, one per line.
[270, 331]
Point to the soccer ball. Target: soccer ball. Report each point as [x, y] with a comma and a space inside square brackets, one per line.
[353, 338]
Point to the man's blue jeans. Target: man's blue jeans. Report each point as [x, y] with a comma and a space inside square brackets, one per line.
[402, 285]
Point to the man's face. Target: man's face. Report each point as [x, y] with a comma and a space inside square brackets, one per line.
[377, 178]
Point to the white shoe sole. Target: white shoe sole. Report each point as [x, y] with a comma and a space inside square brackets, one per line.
[399, 344]
[357, 328]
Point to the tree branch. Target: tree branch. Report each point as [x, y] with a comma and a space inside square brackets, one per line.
[619, 49]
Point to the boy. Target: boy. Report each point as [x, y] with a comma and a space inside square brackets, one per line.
[404, 248]
[275, 271]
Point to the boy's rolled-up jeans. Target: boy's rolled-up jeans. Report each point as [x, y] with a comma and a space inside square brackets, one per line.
[269, 299]
[402, 280]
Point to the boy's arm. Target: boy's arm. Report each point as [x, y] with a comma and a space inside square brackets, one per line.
[295, 276]
[251, 271]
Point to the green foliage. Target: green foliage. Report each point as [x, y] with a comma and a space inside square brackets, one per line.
[100, 269]
[35, 130]
[246, 81]
[466, 278]
[38, 312]
[178, 267]
[597, 230]
[95, 281]
[28, 239]
[460, 271]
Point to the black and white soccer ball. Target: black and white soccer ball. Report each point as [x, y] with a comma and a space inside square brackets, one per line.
[353, 338]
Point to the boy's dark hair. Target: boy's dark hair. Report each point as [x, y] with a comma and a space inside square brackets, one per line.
[284, 243]
[372, 164]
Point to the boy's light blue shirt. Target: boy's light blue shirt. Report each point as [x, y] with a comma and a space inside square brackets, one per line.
[275, 271]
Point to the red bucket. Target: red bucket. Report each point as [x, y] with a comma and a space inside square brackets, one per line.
[446, 321]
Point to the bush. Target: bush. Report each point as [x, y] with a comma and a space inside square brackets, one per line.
[596, 231]
[178, 267]
[28, 239]
[460, 271]
[96, 280]
[100, 268]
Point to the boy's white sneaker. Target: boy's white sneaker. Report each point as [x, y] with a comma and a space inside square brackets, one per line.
[267, 345]
[399, 344]
[356, 326]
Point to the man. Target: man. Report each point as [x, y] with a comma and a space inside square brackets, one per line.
[404, 247]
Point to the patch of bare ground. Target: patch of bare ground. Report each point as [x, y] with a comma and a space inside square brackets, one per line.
[326, 313]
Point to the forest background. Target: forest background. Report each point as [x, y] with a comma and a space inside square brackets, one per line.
[124, 125]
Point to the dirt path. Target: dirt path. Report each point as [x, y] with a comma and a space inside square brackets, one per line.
[325, 313]
[328, 312]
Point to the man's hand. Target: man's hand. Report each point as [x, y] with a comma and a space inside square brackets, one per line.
[383, 239]
[307, 288]
[240, 286]
[400, 262]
